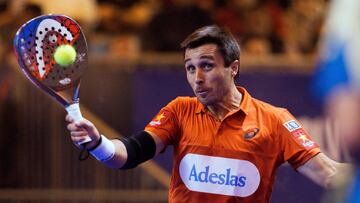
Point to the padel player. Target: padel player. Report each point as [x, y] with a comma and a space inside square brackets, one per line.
[227, 144]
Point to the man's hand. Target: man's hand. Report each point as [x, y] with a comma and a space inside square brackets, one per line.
[81, 131]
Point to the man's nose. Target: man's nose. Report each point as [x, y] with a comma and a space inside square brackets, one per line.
[199, 76]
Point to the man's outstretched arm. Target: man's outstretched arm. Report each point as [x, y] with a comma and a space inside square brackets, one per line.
[115, 153]
[325, 171]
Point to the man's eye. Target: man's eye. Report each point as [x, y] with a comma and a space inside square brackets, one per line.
[207, 66]
[190, 69]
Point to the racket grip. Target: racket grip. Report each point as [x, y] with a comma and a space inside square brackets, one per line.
[74, 111]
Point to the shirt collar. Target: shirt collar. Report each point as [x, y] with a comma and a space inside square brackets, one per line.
[246, 100]
[244, 105]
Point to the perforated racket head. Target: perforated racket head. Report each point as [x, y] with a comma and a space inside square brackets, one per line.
[35, 43]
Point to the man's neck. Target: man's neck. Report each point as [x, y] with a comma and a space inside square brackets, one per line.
[231, 102]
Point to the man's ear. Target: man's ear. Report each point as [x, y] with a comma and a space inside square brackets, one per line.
[235, 65]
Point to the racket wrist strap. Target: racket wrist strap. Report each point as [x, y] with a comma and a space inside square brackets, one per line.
[104, 151]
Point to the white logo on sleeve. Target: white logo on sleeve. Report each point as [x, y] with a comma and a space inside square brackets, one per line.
[218, 175]
[292, 125]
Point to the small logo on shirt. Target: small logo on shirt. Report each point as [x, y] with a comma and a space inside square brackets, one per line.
[159, 119]
[303, 139]
[219, 175]
[251, 133]
[292, 125]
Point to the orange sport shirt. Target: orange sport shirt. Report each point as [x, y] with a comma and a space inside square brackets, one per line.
[233, 160]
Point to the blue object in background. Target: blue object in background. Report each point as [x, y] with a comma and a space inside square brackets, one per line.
[339, 60]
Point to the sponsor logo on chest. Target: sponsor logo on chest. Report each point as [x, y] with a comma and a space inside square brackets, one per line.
[219, 175]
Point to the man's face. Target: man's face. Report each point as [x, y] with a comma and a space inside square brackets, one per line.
[206, 74]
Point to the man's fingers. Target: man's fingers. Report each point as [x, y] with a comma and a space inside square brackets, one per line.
[79, 134]
[79, 137]
[68, 118]
[87, 125]
[73, 127]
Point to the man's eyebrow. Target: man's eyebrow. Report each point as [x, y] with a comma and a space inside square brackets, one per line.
[186, 60]
[201, 57]
[207, 57]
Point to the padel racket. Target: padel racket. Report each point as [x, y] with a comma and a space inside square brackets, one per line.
[35, 44]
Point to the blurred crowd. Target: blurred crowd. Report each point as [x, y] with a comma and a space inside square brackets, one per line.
[127, 27]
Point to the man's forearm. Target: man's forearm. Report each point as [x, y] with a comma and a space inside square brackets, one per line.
[324, 171]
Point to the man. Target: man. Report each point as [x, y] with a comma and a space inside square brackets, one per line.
[227, 145]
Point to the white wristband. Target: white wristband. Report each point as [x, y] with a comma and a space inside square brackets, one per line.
[105, 151]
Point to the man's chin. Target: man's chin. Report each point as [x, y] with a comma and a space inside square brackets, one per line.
[205, 101]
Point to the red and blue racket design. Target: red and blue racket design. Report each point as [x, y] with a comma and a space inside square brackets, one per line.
[35, 44]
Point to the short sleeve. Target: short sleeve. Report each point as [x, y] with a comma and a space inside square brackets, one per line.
[165, 124]
[297, 145]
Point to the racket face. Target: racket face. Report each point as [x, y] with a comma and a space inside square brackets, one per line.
[35, 43]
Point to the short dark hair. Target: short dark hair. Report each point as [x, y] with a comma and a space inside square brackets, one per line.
[221, 36]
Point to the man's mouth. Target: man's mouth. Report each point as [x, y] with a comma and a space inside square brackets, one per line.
[201, 92]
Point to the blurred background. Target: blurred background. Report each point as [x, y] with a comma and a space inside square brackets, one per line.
[136, 68]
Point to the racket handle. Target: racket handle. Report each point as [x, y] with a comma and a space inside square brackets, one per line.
[74, 111]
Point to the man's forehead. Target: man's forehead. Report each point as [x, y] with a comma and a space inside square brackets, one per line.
[203, 51]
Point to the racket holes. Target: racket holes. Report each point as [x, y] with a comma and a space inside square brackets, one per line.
[29, 42]
[40, 32]
[52, 28]
[69, 41]
[37, 64]
[59, 30]
[43, 68]
[65, 35]
[46, 29]
[40, 58]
